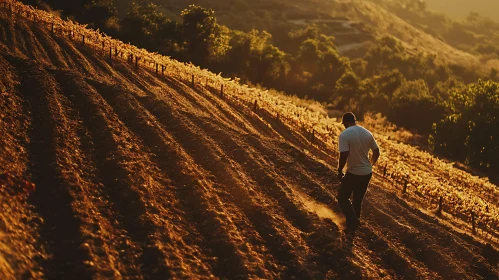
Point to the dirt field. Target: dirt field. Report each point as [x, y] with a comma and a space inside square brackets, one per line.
[140, 176]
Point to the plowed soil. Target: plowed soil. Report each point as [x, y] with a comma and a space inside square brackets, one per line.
[139, 176]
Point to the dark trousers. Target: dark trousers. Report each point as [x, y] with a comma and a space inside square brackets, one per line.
[356, 184]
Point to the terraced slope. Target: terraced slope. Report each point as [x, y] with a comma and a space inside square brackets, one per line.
[139, 176]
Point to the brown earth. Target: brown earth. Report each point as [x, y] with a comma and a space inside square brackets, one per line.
[139, 176]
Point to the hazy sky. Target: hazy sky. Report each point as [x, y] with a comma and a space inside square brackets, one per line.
[461, 8]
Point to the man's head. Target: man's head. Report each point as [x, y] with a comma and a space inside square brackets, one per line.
[348, 119]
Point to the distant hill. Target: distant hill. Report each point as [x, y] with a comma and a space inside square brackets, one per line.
[361, 22]
[461, 8]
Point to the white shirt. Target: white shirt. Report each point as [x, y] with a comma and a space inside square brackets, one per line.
[357, 141]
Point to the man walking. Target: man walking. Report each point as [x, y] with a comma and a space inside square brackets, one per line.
[354, 145]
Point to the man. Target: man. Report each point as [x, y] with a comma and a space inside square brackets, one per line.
[354, 145]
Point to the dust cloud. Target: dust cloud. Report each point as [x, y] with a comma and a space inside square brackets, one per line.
[323, 211]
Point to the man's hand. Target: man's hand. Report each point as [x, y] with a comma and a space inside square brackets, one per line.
[375, 157]
[340, 175]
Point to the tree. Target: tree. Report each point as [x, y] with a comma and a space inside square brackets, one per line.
[169, 36]
[100, 13]
[141, 25]
[469, 132]
[272, 65]
[317, 66]
[348, 84]
[69, 8]
[377, 93]
[308, 56]
[482, 114]
[252, 56]
[205, 39]
[296, 37]
[449, 136]
[413, 107]
[493, 73]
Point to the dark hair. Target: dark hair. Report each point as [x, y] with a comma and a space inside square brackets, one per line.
[349, 117]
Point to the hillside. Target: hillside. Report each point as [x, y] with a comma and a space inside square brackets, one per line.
[353, 23]
[138, 175]
[383, 22]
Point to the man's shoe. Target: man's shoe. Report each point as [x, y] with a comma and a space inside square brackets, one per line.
[352, 227]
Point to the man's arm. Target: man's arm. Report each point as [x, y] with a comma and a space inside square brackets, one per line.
[341, 165]
[343, 161]
[375, 156]
[344, 149]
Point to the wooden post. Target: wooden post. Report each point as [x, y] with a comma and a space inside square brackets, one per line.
[102, 45]
[83, 39]
[222, 91]
[52, 29]
[157, 67]
[192, 80]
[440, 206]
[255, 106]
[110, 53]
[116, 51]
[163, 68]
[473, 222]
